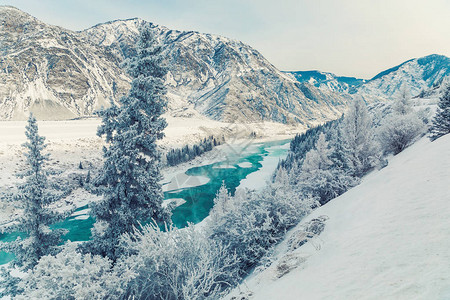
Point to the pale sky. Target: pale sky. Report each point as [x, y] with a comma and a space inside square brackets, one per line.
[347, 37]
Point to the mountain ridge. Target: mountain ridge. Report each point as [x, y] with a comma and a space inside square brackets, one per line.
[419, 74]
[60, 74]
[77, 72]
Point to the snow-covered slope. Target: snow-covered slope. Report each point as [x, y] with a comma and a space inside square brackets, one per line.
[387, 238]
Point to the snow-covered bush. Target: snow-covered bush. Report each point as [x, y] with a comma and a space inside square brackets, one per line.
[71, 275]
[250, 222]
[441, 121]
[399, 131]
[402, 126]
[177, 264]
[319, 177]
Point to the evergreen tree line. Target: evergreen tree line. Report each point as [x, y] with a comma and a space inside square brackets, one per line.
[303, 142]
[187, 153]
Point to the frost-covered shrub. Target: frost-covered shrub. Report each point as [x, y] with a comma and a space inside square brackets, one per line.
[71, 275]
[400, 128]
[250, 223]
[177, 264]
[399, 131]
[319, 177]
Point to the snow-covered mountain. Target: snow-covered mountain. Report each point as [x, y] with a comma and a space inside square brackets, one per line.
[419, 74]
[58, 74]
[341, 84]
[222, 78]
[54, 72]
[387, 238]
[422, 75]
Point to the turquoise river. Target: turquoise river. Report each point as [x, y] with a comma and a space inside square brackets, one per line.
[197, 187]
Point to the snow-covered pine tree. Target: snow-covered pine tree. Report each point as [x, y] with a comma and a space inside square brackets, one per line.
[441, 121]
[34, 196]
[88, 177]
[131, 171]
[319, 177]
[402, 103]
[222, 200]
[361, 149]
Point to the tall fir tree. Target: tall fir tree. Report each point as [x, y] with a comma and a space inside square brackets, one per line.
[441, 121]
[34, 196]
[131, 170]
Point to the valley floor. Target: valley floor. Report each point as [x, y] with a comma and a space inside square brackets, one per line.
[387, 238]
[74, 141]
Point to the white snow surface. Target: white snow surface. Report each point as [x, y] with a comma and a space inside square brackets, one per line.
[387, 238]
[183, 181]
[176, 201]
[245, 164]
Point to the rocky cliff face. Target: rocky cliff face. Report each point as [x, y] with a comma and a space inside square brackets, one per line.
[59, 74]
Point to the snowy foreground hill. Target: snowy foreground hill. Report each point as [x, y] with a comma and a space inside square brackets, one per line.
[387, 238]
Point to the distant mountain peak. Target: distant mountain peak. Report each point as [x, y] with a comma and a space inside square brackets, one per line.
[419, 74]
[327, 80]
